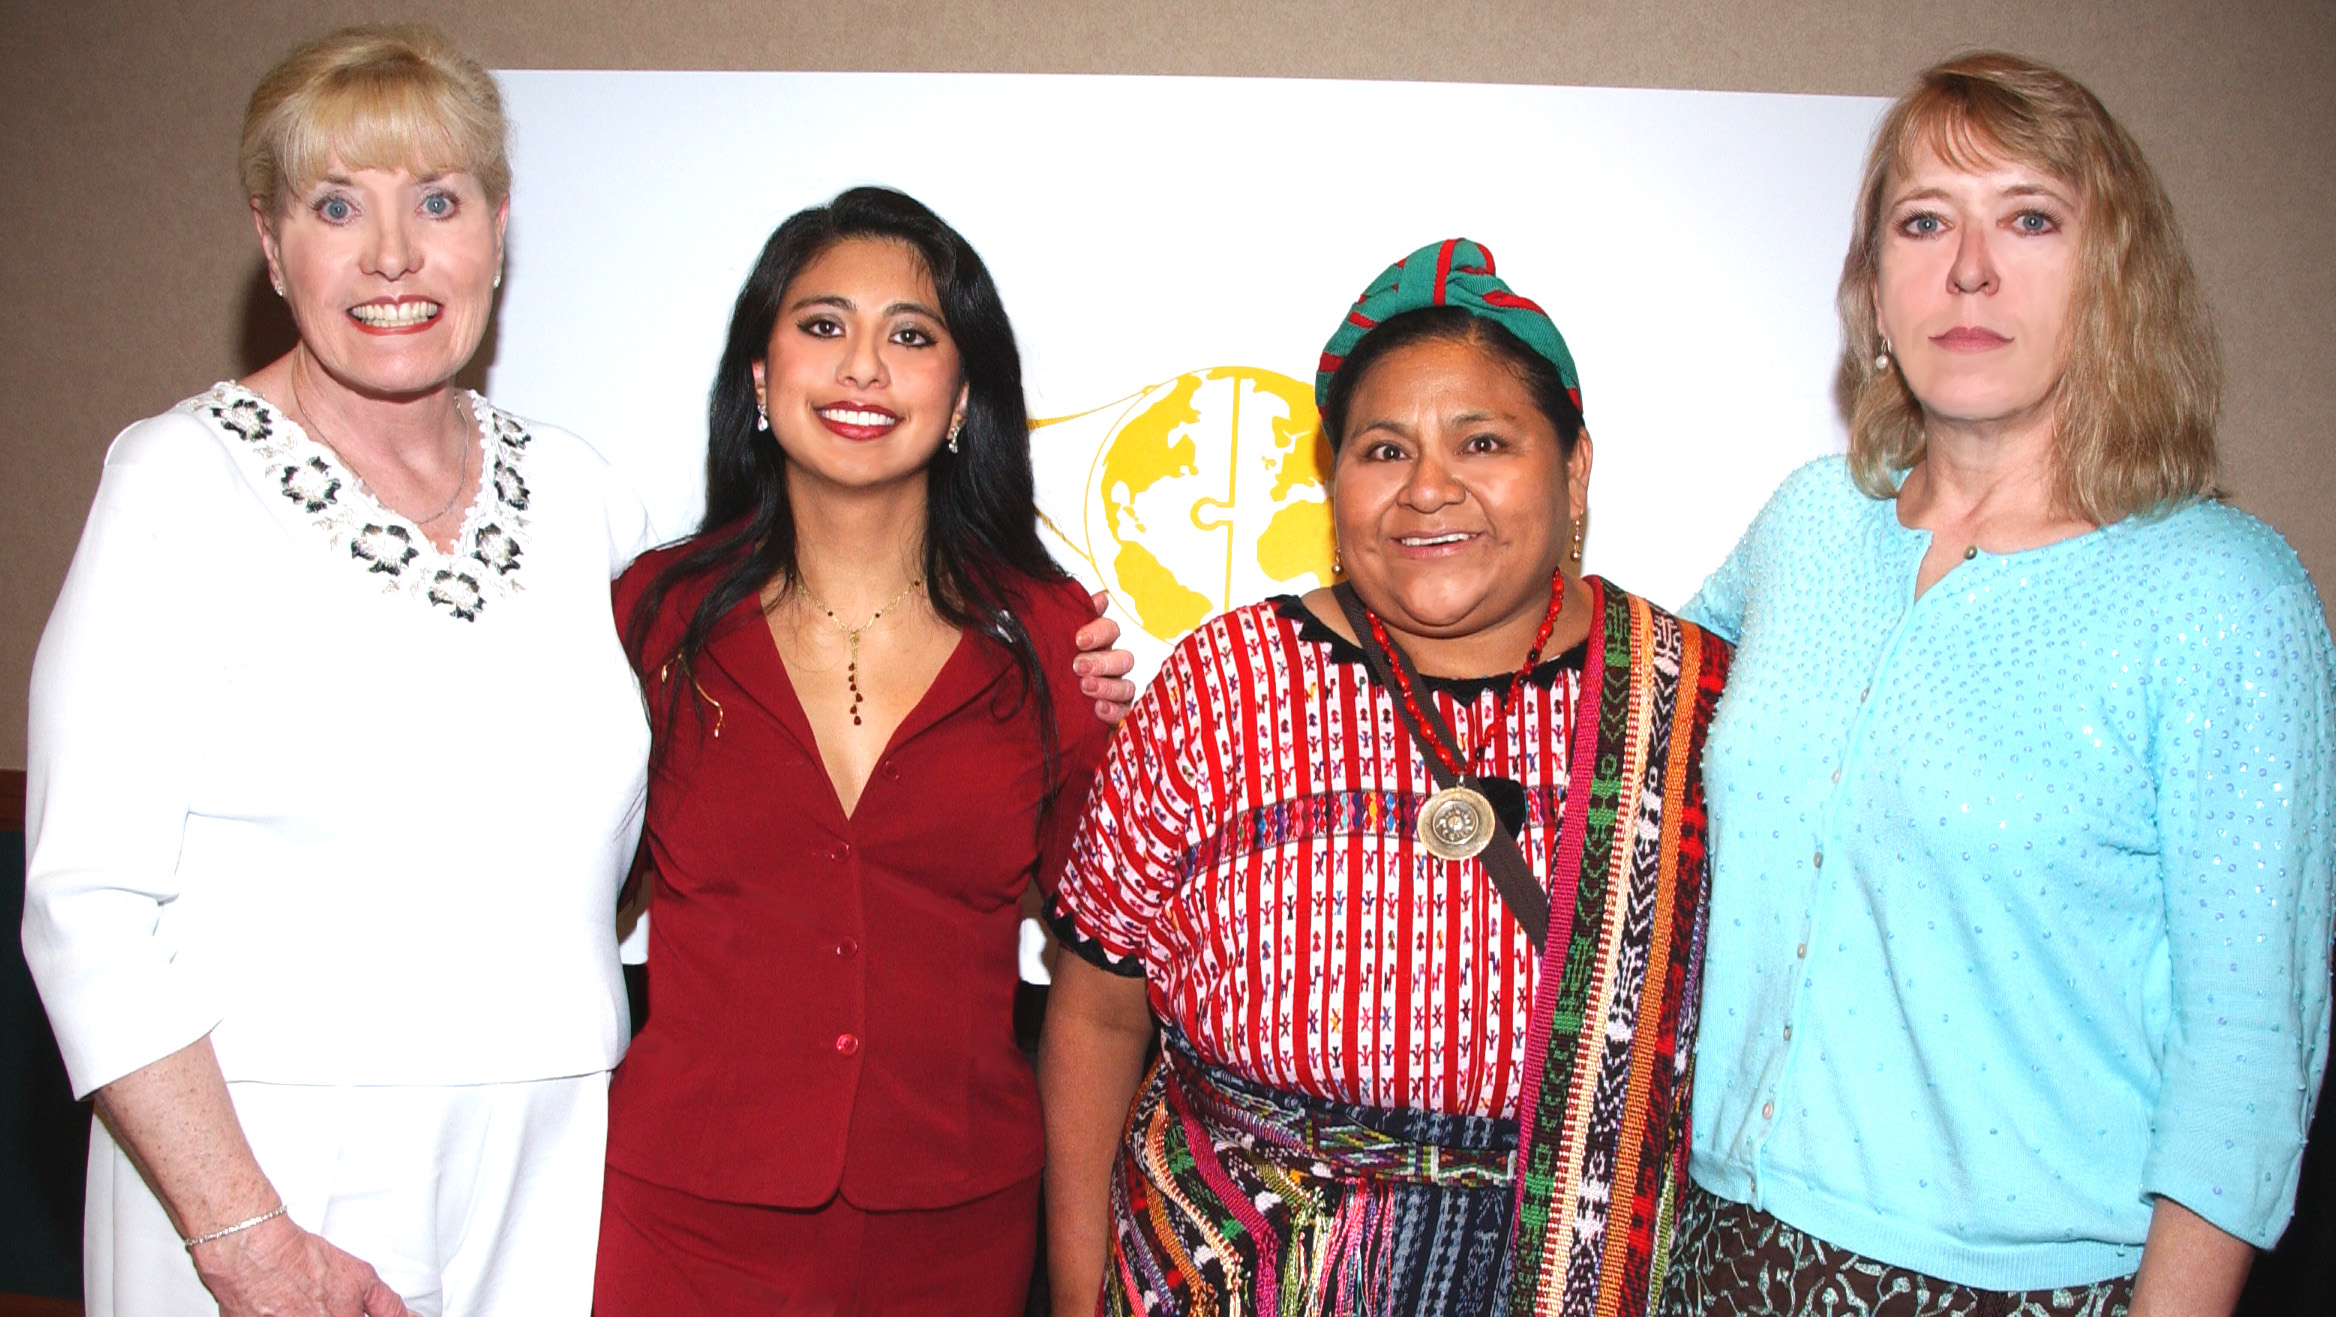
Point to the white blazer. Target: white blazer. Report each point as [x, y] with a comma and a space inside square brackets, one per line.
[357, 810]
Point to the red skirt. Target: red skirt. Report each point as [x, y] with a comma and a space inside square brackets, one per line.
[666, 1252]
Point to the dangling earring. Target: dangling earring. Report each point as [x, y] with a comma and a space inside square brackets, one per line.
[1581, 533]
[762, 419]
[954, 427]
[1337, 565]
[1882, 358]
[277, 284]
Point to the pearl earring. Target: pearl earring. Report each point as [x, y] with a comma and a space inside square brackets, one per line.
[762, 419]
[1882, 358]
[954, 427]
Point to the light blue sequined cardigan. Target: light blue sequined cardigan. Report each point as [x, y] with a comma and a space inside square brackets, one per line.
[2021, 903]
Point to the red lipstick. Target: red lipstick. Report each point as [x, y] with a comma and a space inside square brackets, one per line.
[849, 420]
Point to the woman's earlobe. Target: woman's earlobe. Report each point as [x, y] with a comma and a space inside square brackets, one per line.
[264, 224]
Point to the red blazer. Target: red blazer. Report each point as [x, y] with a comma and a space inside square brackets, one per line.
[831, 998]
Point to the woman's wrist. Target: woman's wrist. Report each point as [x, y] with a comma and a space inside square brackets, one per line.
[234, 1228]
[237, 1253]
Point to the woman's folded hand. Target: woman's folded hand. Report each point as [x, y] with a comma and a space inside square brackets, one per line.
[278, 1269]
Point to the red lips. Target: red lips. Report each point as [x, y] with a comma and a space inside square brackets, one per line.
[850, 430]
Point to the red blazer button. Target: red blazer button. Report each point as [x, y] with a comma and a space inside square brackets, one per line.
[846, 1044]
[847, 948]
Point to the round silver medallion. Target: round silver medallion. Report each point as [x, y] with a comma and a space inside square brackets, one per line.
[1456, 823]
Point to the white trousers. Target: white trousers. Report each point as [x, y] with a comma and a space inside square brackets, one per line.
[469, 1200]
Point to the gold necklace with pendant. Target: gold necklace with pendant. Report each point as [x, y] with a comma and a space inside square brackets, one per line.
[1458, 822]
[852, 636]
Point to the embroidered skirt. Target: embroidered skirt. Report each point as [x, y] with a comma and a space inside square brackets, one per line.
[1730, 1259]
[1230, 1197]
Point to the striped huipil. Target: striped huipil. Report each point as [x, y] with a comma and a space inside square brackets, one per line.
[1375, 1095]
[1249, 846]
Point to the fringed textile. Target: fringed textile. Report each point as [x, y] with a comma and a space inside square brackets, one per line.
[1233, 1198]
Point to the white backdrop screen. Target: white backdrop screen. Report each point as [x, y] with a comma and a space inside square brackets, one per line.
[1174, 252]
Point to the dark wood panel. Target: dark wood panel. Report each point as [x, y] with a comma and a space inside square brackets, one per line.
[25, 1305]
[11, 820]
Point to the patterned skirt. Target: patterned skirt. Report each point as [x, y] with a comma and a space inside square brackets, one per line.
[1732, 1260]
[1233, 1198]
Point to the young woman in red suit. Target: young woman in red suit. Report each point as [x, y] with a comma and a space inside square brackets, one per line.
[861, 763]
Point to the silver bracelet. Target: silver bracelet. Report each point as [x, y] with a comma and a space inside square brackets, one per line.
[224, 1232]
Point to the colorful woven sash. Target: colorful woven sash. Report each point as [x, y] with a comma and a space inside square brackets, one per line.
[1604, 1134]
[1230, 1198]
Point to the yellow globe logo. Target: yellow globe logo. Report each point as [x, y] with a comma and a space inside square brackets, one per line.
[1202, 493]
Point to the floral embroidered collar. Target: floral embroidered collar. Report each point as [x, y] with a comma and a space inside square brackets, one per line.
[484, 565]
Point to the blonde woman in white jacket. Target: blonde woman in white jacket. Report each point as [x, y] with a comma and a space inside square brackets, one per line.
[336, 765]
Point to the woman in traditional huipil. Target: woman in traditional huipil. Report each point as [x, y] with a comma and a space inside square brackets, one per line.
[1411, 873]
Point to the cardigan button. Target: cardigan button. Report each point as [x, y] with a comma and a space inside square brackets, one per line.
[846, 1044]
[1767, 1110]
[841, 850]
[1801, 952]
[892, 770]
[1818, 861]
[847, 948]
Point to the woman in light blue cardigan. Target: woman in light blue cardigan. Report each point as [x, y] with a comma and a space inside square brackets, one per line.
[2022, 790]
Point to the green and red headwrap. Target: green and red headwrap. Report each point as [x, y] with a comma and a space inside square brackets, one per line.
[1454, 272]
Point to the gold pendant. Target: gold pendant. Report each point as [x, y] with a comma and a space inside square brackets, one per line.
[1456, 823]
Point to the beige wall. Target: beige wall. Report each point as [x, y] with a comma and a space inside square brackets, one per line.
[127, 264]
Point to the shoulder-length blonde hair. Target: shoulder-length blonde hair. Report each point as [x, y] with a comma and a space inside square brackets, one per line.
[391, 96]
[2141, 384]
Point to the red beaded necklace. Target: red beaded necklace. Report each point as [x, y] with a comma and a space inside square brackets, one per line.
[1450, 757]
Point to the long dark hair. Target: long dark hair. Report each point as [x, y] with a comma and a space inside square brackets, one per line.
[981, 523]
